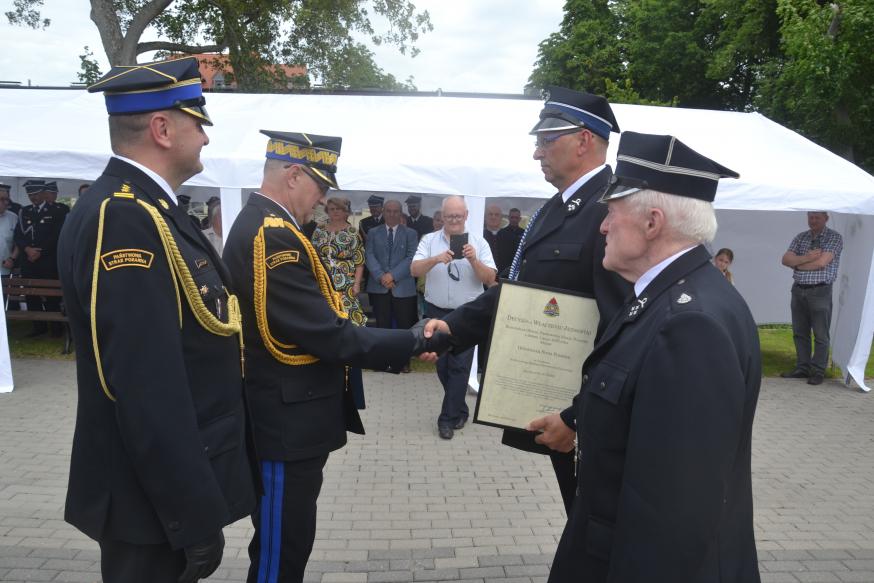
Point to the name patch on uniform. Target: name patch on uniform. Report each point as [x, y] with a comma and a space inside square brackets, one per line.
[278, 259]
[127, 258]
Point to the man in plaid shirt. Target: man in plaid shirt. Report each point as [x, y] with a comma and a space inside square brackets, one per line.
[814, 256]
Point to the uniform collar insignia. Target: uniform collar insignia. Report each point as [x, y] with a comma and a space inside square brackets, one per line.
[637, 308]
[574, 204]
[684, 299]
[164, 204]
[201, 263]
[204, 290]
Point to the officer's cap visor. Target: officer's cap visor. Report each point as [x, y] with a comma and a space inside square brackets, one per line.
[621, 186]
[554, 122]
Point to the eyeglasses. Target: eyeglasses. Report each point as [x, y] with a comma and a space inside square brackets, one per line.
[453, 218]
[543, 142]
[453, 276]
[323, 188]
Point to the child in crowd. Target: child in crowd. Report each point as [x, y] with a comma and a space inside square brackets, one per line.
[722, 260]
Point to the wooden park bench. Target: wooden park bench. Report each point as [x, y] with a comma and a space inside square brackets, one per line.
[18, 288]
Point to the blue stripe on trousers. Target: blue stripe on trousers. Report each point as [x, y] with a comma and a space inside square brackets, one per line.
[271, 521]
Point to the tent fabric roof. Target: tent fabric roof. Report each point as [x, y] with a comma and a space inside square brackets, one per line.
[439, 145]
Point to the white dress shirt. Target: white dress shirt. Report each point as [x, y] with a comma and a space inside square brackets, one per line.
[440, 289]
[655, 270]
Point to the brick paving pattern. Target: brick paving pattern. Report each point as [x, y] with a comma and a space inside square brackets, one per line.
[402, 505]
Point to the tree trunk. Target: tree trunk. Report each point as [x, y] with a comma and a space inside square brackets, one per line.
[121, 48]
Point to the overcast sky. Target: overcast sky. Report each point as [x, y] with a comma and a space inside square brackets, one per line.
[476, 45]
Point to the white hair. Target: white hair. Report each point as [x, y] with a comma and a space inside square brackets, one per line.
[688, 218]
[453, 198]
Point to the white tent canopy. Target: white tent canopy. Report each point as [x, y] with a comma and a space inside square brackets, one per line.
[480, 147]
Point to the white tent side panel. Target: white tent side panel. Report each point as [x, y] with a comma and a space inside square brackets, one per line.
[481, 147]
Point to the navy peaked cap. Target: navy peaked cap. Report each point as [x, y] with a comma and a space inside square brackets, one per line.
[35, 186]
[318, 153]
[665, 164]
[175, 84]
[567, 109]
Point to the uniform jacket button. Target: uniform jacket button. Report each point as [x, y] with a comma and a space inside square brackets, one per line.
[603, 385]
[205, 449]
[309, 393]
[585, 378]
[174, 526]
[556, 252]
[524, 261]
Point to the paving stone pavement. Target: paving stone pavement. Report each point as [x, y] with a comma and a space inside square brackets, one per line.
[402, 505]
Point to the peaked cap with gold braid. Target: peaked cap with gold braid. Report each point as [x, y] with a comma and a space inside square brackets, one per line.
[318, 153]
[132, 89]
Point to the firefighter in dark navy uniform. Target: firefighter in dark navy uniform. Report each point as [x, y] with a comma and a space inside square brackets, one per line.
[299, 345]
[561, 246]
[36, 236]
[665, 413]
[161, 460]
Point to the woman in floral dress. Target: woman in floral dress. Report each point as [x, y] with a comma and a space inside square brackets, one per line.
[340, 247]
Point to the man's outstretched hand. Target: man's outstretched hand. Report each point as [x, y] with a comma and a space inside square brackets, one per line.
[432, 339]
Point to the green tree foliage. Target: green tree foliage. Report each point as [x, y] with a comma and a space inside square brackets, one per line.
[824, 86]
[806, 63]
[258, 35]
[584, 53]
[90, 71]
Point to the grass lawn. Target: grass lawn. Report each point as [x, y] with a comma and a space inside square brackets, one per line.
[778, 350]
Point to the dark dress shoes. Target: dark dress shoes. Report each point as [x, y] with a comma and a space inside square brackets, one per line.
[444, 432]
[815, 379]
[795, 374]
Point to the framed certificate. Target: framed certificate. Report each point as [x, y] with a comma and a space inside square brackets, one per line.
[537, 344]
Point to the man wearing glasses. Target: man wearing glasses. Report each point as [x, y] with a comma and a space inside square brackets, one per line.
[299, 343]
[561, 248]
[451, 281]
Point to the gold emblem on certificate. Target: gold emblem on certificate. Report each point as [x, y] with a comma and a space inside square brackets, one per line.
[538, 342]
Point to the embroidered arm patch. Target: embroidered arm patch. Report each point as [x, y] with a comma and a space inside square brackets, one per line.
[127, 258]
[277, 259]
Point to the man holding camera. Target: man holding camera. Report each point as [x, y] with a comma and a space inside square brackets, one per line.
[456, 264]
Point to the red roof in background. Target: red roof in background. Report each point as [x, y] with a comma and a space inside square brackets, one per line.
[214, 65]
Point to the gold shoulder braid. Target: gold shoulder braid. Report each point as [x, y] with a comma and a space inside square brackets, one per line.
[260, 290]
[181, 275]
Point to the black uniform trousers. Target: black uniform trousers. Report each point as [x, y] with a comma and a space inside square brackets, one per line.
[122, 562]
[285, 520]
[42, 268]
[387, 309]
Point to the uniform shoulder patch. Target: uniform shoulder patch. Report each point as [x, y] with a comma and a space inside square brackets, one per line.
[282, 257]
[127, 258]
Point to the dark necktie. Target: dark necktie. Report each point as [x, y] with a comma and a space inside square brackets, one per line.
[391, 238]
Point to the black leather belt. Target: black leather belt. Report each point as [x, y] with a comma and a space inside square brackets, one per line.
[811, 285]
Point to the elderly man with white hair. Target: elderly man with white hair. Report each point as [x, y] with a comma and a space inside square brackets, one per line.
[665, 412]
